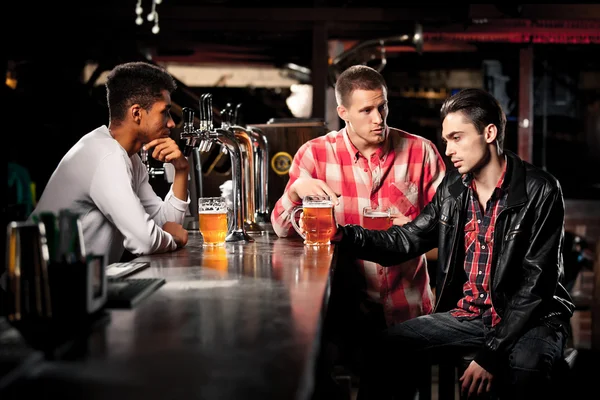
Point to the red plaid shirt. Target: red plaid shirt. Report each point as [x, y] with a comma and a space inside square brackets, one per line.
[403, 174]
[479, 243]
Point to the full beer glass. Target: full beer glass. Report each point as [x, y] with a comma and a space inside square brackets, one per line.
[317, 219]
[377, 218]
[212, 219]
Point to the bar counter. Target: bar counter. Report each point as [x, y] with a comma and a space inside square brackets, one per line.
[235, 322]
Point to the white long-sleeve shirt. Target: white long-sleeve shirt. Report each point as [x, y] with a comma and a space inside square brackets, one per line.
[109, 190]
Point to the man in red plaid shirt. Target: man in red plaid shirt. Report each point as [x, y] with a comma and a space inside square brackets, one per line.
[368, 163]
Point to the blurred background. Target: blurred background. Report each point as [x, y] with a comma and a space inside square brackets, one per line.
[280, 61]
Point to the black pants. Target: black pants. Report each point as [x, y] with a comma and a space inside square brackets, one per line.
[525, 372]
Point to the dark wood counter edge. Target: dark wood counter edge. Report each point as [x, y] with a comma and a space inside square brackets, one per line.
[307, 385]
[307, 380]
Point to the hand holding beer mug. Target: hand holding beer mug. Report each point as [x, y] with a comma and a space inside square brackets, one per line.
[212, 218]
[317, 219]
[377, 218]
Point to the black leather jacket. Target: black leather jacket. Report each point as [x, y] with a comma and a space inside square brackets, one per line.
[527, 268]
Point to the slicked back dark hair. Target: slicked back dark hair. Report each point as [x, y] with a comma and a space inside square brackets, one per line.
[135, 83]
[480, 107]
[357, 77]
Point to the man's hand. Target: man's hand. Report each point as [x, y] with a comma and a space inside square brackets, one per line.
[399, 219]
[308, 186]
[180, 235]
[476, 380]
[166, 150]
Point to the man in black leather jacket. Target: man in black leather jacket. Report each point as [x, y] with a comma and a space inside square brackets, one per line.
[498, 224]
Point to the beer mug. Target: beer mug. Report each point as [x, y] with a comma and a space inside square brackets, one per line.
[377, 218]
[318, 220]
[212, 220]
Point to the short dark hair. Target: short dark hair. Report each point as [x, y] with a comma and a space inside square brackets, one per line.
[480, 107]
[135, 82]
[357, 77]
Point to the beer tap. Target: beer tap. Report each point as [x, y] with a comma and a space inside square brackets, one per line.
[246, 142]
[191, 136]
[144, 158]
[261, 167]
[230, 143]
[152, 171]
[203, 138]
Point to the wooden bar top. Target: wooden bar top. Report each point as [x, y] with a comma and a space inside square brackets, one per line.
[235, 322]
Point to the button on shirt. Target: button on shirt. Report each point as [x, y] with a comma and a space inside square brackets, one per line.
[479, 243]
[404, 174]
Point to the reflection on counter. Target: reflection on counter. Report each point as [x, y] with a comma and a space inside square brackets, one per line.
[314, 263]
[215, 257]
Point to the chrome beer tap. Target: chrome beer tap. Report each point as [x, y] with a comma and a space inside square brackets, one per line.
[191, 136]
[246, 143]
[229, 142]
[261, 168]
[261, 173]
[152, 171]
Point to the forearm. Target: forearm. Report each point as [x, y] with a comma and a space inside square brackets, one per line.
[397, 244]
[180, 184]
[280, 217]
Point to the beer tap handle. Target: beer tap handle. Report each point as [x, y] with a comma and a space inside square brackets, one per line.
[188, 120]
[236, 114]
[225, 116]
[229, 114]
[188, 130]
[210, 113]
[203, 117]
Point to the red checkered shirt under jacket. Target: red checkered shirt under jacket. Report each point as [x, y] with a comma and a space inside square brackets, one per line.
[403, 174]
[479, 243]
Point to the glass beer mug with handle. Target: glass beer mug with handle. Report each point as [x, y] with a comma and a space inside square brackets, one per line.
[377, 218]
[318, 220]
[213, 216]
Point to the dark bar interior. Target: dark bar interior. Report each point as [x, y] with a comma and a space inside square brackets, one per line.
[245, 320]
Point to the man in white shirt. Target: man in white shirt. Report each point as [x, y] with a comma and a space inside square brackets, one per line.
[103, 180]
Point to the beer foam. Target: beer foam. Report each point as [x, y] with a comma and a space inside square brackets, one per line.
[318, 205]
[377, 214]
[212, 212]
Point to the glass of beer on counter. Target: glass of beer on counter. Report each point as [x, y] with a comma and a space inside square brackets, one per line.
[212, 219]
[377, 218]
[318, 221]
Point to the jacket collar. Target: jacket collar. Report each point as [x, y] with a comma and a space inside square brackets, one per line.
[515, 171]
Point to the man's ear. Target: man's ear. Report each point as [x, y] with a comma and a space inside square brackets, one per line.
[136, 113]
[490, 132]
[342, 113]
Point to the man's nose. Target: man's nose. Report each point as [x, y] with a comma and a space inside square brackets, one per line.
[171, 123]
[378, 119]
[449, 150]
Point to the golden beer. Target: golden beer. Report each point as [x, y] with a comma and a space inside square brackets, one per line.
[318, 225]
[213, 226]
[317, 219]
[377, 221]
[212, 220]
[377, 218]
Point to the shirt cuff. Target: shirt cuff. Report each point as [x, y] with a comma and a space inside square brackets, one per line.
[172, 244]
[177, 203]
[288, 204]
